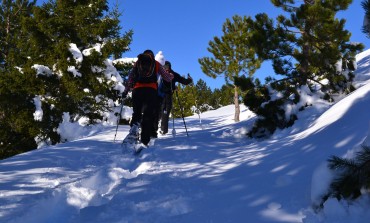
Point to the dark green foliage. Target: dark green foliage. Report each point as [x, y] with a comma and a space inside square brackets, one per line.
[222, 97]
[232, 54]
[354, 175]
[199, 98]
[123, 68]
[202, 95]
[46, 36]
[305, 49]
[366, 26]
[11, 14]
[183, 100]
[257, 98]
[87, 25]
[306, 46]
[17, 130]
[254, 93]
[189, 98]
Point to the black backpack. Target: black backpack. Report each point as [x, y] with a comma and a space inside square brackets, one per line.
[145, 69]
[165, 87]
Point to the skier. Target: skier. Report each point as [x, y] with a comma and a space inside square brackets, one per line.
[142, 80]
[165, 98]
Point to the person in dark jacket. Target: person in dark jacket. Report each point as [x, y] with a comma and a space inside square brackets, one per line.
[144, 98]
[165, 98]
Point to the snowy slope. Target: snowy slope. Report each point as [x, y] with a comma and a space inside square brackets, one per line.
[214, 175]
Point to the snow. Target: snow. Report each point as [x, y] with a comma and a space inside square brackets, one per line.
[42, 70]
[96, 48]
[125, 60]
[158, 57]
[77, 55]
[37, 115]
[74, 71]
[215, 174]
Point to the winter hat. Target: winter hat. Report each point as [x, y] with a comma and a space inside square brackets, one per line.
[149, 52]
[167, 64]
[160, 58]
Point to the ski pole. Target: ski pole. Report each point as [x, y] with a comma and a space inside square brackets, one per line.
[182, 113]
[173, 117]
[120, 112]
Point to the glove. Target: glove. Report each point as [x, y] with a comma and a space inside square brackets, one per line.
[190, 78]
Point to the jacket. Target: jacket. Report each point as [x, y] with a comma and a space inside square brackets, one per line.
[131, 84]
[169, 86]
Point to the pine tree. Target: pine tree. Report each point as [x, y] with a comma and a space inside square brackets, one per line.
[227, 96]
[71, 41]
[232, 55]
[222, 97]
[353, 175]
[11, 14]
[366, 26]
[203, 95]
[16, 125]
[183, 100]
[314, 40]
[309, 46]
[80, 84]
[199, 98]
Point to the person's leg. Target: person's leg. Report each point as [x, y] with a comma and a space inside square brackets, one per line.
[169, 109]
[150, 104]
[166, 113]
[156, 117]
[163, 115]
[137, 105]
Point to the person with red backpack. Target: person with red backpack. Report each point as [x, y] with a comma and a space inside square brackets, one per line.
[142, 81]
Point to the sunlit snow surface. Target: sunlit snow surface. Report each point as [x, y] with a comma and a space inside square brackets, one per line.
[215, 174]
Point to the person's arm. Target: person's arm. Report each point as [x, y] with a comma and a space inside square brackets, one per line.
[129, 84]
[165, 75]
[181, 79]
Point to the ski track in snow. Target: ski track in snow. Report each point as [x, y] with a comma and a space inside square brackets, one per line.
[113, 177]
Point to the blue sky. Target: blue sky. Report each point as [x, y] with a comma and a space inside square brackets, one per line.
[183, 29]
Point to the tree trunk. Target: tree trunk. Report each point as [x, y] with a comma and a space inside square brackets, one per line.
[236, 102]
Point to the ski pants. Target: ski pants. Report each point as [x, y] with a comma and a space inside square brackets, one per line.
[157, 116]
[165, 111]
[144, 101]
